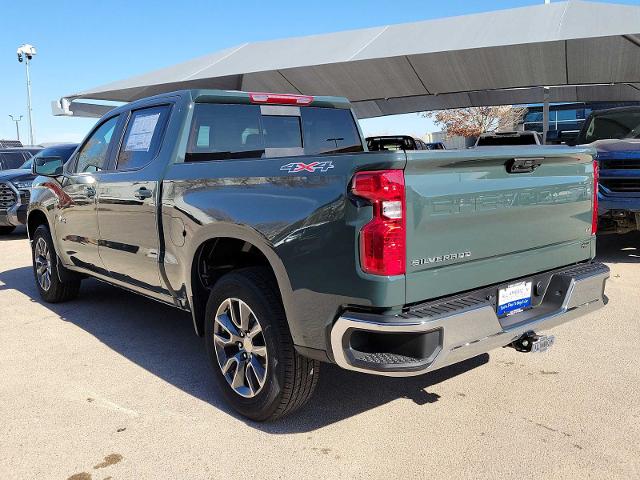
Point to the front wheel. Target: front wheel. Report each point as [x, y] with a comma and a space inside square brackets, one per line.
[251, 350]
[45, 270]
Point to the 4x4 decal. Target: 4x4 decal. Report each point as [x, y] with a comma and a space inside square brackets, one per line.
[296, 167]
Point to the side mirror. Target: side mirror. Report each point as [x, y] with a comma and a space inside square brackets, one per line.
[47, 166]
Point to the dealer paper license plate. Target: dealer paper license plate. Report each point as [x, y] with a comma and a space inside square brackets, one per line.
[514, 298]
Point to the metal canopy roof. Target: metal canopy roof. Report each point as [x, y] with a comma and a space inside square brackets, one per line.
[589, 51]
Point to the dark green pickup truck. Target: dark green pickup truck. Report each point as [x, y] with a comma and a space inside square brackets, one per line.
[291, 245]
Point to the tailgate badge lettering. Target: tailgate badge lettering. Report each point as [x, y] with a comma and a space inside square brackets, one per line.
[440, 258]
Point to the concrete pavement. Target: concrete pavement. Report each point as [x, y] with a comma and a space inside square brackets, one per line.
[113, 385]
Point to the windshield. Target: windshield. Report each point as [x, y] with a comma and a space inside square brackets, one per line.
[63, 152]
[435, 146]
[10, 160]
[27, 165]
[614, 125]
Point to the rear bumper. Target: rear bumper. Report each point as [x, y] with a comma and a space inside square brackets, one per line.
[453, 330]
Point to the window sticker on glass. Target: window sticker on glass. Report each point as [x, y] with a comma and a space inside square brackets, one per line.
[141, 133]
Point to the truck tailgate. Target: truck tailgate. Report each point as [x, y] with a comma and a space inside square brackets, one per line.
[470, 222]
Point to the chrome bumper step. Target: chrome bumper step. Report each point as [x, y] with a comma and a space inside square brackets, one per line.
[434, 335]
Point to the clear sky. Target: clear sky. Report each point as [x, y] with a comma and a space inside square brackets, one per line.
[83, 44]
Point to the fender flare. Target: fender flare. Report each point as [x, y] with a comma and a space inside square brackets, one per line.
[245, 234]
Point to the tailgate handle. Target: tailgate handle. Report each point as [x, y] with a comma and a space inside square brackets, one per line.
[523, 165]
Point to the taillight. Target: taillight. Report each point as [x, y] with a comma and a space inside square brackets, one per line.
[280, 98]
[383, 239]
[594, 217]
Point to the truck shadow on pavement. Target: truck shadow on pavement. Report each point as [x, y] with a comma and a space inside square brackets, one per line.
[619, 248]
[161, 340]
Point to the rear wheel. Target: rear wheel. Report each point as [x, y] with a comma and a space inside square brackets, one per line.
[46, 270]
[251, 350]
[7, 230]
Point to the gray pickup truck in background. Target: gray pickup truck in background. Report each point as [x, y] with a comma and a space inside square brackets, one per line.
[615, 135]
[15, 187]
[265, 216]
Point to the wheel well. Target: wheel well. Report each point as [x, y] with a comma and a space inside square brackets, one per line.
[35, 219]
[215, 258]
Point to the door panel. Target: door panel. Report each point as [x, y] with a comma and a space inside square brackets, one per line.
[127, 207]
[76, 222]
[129, 245]
[76, 218]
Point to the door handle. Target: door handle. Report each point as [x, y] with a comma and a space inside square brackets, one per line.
[90, 192]
[142, 193]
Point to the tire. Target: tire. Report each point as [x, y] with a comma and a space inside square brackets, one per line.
[46, 270]
[7, 230]
[288, 378]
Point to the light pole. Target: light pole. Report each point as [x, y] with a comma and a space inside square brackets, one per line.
[26, 52]
[16, 118]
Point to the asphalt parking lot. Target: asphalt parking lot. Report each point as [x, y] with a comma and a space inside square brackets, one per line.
[116, 386]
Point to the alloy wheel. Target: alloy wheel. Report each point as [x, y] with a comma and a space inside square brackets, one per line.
[43, 264]
[240, 347]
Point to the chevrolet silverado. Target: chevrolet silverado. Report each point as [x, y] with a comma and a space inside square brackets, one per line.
[265, 216]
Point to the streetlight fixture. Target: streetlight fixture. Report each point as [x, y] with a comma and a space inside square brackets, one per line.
[16, 118]
[25, 53]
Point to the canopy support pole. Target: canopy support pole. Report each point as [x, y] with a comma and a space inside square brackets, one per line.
[545, 115]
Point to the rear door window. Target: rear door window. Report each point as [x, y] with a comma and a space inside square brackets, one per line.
[143, 137]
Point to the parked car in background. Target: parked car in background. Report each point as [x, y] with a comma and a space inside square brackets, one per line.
[13, 157]
[264, 216]
[15, 186]
[399, 142]
[615, 134]
[434, 146]
[10, 143]
[508, 138]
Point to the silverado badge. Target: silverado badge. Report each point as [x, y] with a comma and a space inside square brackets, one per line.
[440, 258]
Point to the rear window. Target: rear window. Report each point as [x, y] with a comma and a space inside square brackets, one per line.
[329, 130]
[221, 131]
[391, 144]
[281, 131]
[504, 140]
